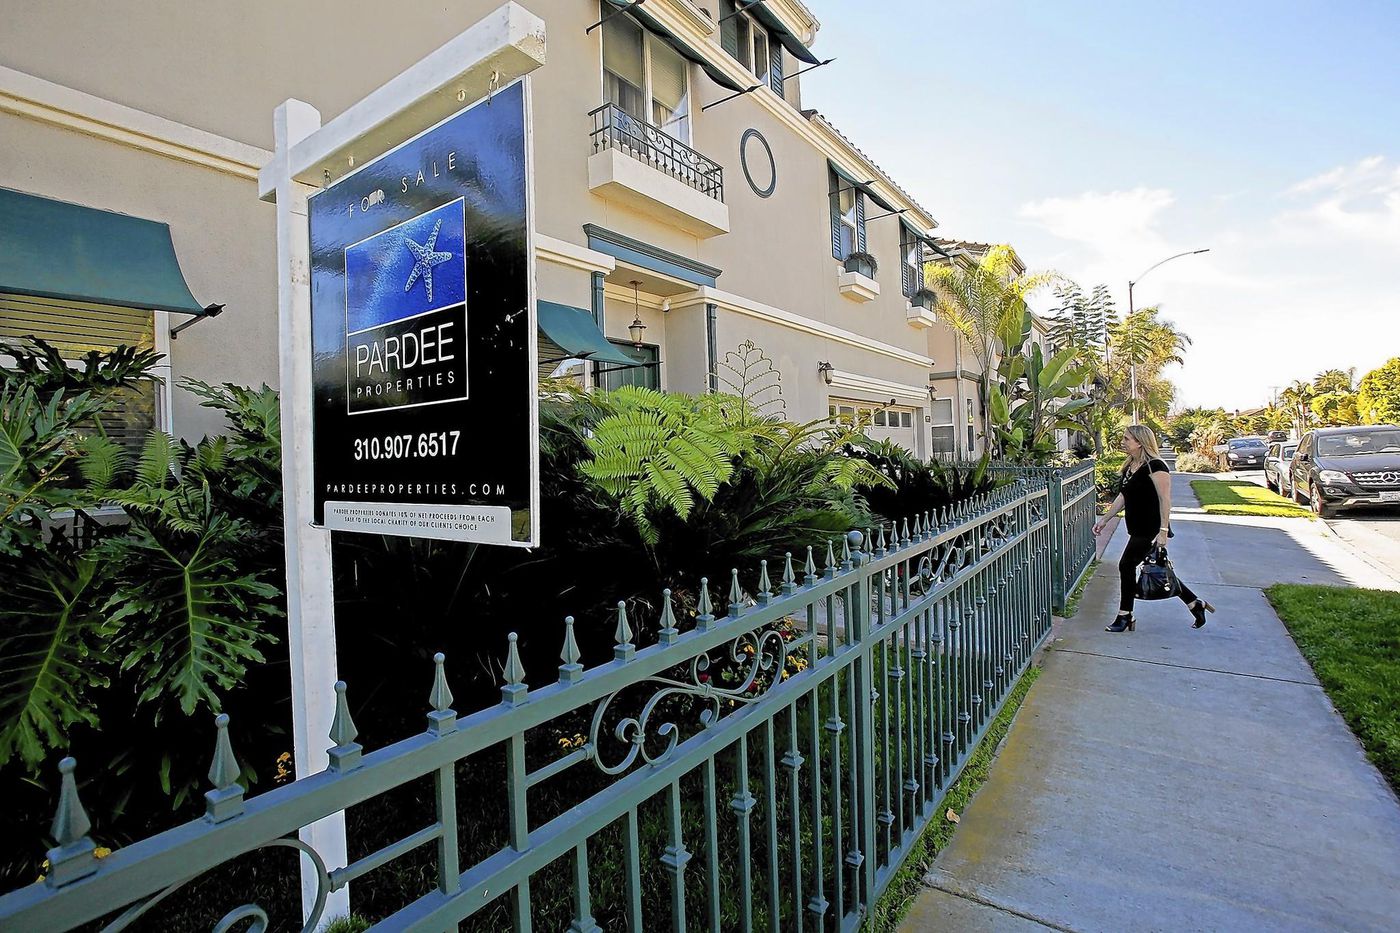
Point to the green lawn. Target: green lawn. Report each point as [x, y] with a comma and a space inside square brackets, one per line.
[1351, 637]
[1239, 497]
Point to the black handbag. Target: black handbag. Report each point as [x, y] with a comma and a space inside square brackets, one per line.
[1156, 579]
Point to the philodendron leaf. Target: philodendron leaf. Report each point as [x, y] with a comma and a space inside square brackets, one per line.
[52, 644]
[190, 621]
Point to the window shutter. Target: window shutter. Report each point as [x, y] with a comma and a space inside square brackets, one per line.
[729, 29]
[834, 197]
[860, 222]
[775, 57]
[906, 276]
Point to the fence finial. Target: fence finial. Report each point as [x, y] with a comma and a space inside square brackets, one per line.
[765, 586]
[514, 690]
[623, 649]
[789, 577]
[810, 576]
[72, 858]
[346, 753]
[904, 537]
[669, 633]
[880, 542]
[830, 560]
[846, 551]
[918, 531]
[440, 699]
[704, 610]
[571, 671]
[226, 799]
[736, 593]
[443, 718]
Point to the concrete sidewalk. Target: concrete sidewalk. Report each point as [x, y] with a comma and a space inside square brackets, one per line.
[1179, 779]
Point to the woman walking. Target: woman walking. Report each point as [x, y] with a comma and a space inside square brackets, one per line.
[1146, 497]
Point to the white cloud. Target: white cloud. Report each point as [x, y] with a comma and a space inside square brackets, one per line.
[1094, 218]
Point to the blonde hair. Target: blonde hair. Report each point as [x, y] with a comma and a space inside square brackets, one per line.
[1146, 437]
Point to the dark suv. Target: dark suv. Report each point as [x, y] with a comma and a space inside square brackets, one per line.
[1339, 468]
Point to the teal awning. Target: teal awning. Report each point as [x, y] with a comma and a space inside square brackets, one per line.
[861, 186]
[780, 32]
[53, 249]
[574, 331]
[915, 232]
[682, 47]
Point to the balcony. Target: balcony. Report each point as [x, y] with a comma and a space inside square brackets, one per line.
[638, 165]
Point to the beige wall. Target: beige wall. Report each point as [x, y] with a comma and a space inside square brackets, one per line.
[224, 67]
[223, 235]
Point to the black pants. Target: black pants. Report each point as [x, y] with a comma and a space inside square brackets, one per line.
[1133, 555]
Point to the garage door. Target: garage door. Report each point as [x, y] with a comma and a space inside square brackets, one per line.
[894, 423]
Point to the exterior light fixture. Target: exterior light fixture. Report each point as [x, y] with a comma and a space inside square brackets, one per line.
[636, 327]
[826, 370]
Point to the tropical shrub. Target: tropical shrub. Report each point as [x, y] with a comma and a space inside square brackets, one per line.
[916, 487]
[1196, 463]
[1108, 474]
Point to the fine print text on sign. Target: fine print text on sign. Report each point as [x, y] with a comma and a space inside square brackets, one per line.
[424, 336]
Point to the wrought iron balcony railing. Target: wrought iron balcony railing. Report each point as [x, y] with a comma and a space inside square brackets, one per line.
[613, 128]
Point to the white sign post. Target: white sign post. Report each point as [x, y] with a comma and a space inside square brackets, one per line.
[505, 45]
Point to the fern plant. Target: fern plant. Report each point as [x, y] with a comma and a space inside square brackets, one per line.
[658, 451]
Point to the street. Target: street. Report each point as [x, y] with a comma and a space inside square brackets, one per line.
[1373, 534]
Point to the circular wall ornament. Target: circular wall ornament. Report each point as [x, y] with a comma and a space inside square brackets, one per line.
[761, 178]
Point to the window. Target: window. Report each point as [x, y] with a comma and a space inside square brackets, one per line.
[911, 248]
[645, 78]
[971, 426]
[847, 217]
[647, 376]
[73, 331]
[945, 432]
[751, 44]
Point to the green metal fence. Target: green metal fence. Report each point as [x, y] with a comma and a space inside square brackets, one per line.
[765, 768]
[1073, 509]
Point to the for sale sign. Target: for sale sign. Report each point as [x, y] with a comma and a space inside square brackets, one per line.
[423, 330]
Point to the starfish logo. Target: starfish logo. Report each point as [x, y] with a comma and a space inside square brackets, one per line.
[424, 258]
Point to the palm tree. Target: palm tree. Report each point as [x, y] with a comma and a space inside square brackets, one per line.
[986, 305]
[1298, 397]
[1144, 344]
[1334, 380]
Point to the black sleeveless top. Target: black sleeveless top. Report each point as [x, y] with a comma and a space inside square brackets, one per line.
[1141, 507]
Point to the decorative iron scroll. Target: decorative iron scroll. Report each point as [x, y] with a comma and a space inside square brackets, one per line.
[770, 654]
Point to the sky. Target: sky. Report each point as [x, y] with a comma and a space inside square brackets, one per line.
[1098, 138]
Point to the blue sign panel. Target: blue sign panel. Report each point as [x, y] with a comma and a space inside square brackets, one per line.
[423, 334]
[405, 313]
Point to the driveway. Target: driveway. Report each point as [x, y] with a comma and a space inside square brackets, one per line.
[1373, 534]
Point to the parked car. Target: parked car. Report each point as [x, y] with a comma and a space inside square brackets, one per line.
[1277, 465]
[1341, 468]
[1278, 436]
[1243, 453]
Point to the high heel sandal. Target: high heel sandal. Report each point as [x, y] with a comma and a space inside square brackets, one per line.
[1124, 623]
[1199, 609]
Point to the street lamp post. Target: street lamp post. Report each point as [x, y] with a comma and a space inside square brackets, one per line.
[1132, 364]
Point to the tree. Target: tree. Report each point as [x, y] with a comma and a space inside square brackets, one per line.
[1145, 341]
[986, 305]
[1082, 323]
[1333, 409]
[1334, 380]
[1378, 397]
[1297, 397]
